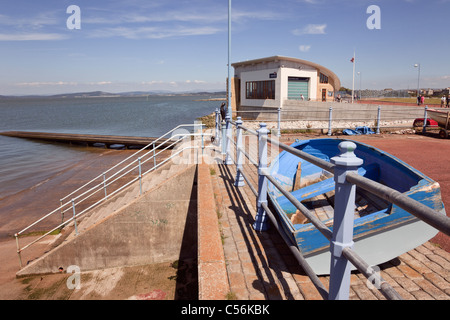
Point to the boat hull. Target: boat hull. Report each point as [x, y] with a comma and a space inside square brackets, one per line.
[379, 236]
[441, 117]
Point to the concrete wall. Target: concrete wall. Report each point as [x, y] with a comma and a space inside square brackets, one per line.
[151, 229]
[313, 110]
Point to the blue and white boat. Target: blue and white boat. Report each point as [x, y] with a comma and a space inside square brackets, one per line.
[382, 230]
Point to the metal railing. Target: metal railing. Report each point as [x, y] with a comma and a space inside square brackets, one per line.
[122, 175]
[344, 169]
[333, 122]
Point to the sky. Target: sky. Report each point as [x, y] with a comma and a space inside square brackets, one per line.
[147, 45]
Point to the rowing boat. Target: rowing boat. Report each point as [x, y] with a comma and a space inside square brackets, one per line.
[382, 230]
[443, 120]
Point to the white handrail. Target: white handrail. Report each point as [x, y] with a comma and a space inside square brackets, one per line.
[108, 181]
[131, 156]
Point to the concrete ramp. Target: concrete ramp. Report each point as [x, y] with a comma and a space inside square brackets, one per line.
[158, 226]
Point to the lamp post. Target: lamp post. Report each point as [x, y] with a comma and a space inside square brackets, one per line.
[417, 65]
[229, 61]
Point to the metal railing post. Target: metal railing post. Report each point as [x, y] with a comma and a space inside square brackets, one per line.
[224, 138]
[62, 211]
[344, 210]
[424, 130]
[378, 119]
[217, 137]
[18, 250]
[239, 181]
[74, 214]
[279, 123]
[261, 222]
[154, 155]
[330, 120]
[140, 176]
[104, 185]
[229, 136]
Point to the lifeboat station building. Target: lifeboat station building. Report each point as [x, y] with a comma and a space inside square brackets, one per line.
[271, 82]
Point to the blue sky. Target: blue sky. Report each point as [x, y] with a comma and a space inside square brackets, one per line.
[181, 45]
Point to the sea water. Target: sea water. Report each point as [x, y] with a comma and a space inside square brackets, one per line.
[24, 163]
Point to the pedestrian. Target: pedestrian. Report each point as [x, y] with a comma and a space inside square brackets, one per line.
[418, 100]
[442, 101]
[448, 100]
[223, 112]
[422, 99]
[302, 97]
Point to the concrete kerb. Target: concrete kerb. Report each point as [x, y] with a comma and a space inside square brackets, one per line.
[212, 273]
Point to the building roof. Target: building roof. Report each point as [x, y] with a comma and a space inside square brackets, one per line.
[326, 71]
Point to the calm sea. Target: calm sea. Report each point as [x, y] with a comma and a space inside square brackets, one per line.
[24, 163]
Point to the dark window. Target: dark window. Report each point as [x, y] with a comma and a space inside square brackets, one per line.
[260, 89]
[323, 78]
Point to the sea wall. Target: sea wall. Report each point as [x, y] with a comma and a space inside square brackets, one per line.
[320, 111]
[157, 227]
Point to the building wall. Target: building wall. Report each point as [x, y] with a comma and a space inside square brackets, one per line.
[328, 87]
[260, 75]
[261, 69]
[281, 84]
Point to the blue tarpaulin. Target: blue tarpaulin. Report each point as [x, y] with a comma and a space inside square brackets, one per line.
[358, 131]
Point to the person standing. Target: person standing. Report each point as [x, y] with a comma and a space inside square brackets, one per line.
[223, 112]
[442, 101]
[448, 100]
[422, 99]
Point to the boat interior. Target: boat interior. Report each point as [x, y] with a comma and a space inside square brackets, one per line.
[314, 187]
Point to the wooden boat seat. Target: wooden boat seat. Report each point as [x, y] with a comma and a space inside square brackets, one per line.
[371, 171]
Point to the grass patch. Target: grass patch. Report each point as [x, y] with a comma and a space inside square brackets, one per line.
[412, 100]
[40, 233]
[209, 121]
[230, 296]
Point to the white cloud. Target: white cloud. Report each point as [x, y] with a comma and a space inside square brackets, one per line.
[311, 29]
[152, 32]
[304, 48]
[41, 84]
[32, 37]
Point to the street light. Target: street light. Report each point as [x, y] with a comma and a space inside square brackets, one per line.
[417, 65]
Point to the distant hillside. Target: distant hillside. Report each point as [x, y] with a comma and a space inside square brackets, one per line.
[102, 94]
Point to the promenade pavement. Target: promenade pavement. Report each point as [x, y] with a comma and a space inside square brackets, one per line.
[261, 267]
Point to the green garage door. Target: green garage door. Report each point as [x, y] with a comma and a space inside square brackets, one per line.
[297, 87]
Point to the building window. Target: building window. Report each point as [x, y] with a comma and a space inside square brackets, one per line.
[323, 78]
[260, 89]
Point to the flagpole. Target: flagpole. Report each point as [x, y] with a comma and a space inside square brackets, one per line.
[354, 65]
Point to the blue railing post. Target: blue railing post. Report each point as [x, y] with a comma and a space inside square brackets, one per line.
[223, 141]
[217, 133]
[239, 181]
[330, 119]
[279, 122]
[344, 211]
[378, 119]
[261, 222]
[424, 130]
[227, 141]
